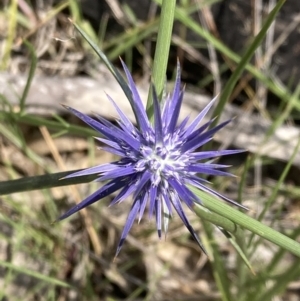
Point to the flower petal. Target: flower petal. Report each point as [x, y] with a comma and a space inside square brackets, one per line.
[208, 171]
[143, 202]
[126, 137]
[104, 191]
[174, 113]
[197, 132]
[137, 106]
[157, 119]
[106, 129]
[92, 170]
[142, 182]
[112, 150]
[125, 120]
[202, 187]
[152, 199]
[112, 144]
[177, 205]
[181, 127]
[119, 171]
[194, 143]
[200, 117]
[158, 216]
[170, 101]
[214, 154]
[124, 193]
[184, 193]
[129, 222]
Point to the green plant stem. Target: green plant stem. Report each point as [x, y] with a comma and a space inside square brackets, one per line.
[56, 125]
[162, 50]
[42, 182]
[229, 229]
[30, 75]
[247, 222]
[37, 275]
[209, 202]
[281, 284]
[243, 63]
[218, 220]
[10, 35]
[271, 199]
[132, 38]
[218, 266]
[279, 90]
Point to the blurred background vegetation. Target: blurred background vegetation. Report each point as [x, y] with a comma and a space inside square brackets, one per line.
[73, 260]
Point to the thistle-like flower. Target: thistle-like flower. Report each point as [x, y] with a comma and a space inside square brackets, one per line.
[157, 162]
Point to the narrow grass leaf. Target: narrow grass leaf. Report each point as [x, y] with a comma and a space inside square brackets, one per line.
[280, 285]
[218, 265]
[280, 91]
[162, 50]
[30, 75]
[34, 274]
[131, 39]
[247, 222]
[41, 182]
[114, 71]
[244, 61]
[50, 124]
[275, 190]
[238, 249]
[228, 228]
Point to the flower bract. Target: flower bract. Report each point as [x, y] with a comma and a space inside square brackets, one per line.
[158, 162]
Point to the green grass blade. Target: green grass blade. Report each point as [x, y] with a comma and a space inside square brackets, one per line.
[227, 226]
[239, 248]
[13, 134]
[41, 182]
[243, 63]
[283, 115]
[114, 71]
[247, 222]
[10, 35]
[280, 285]
[280, 91]
[217, 220]
[34, 274]
[50, 124]
[279, 254]
[106, 61]
[217, 262]
[132, 38]
[162, 50]
[30, 76]
[275, 190]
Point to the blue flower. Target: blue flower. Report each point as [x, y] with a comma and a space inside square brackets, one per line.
[157, 162]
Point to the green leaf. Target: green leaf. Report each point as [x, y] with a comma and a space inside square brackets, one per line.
[34, 274]
[162, 50]
[228, 228]
[239, 250]
[243, 63]
[241, 219]
[114, 71]
[30, 75]
[279, 90]
[42, 182]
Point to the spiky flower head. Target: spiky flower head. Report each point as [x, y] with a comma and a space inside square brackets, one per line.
[157, 162]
